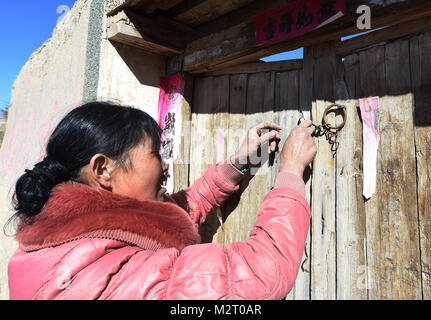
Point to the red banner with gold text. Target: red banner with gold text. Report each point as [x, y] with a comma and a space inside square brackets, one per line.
[295, 19]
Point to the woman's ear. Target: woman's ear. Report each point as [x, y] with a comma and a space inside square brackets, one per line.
[99, 171]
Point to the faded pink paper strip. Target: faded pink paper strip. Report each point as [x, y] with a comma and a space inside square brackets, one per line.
[220, 145]
[169, 120]
[370, 113]
[171, 91]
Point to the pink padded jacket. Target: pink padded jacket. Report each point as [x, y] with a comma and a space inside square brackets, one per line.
[92, 244]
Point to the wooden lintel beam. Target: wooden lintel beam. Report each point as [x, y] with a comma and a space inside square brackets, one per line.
[238, 16]
[187, 33]
[162, 5]
[138, 31]
[143, 6]
[184, 6]
[198, 12]
[347, 47]
[236, 44]
[115, 6]
[258, 67]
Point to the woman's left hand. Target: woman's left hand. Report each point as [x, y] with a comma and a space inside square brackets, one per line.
[257, 137]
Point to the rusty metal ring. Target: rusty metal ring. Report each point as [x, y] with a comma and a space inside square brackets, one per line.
[325, 114]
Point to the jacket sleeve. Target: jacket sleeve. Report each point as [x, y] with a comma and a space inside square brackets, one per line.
[265, 267]
[209, 191]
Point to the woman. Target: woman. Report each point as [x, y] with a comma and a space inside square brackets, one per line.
[94, 222]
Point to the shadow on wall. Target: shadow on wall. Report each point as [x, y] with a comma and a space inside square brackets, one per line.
[145, 66]
[392, 69]
[396, 68]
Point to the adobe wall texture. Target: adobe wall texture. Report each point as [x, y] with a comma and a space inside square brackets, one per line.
[3, 123]
[78, 64]
[50, 84]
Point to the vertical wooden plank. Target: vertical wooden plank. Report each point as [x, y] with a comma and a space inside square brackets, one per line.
[300, 98]
[373, 83]
[269, 102]
[233, 208]
[258, 185]
[216, 137]
[280, 114]
[400, 135]
[350, 209]
[420, 48]
[220, 131]
[181, 164]
[276, 117]
[195, 142]
[289, 96]
[392, 227]
[288, 109]
[202, 93]
[202, 155]
[323, 228]
[302, 285]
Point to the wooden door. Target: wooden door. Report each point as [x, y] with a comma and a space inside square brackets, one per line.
[224, 107]
[356, 249]
[375, 249]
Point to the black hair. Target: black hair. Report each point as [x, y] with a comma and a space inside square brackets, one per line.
[93, 128]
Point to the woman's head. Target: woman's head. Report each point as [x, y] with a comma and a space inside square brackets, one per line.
[103, 145]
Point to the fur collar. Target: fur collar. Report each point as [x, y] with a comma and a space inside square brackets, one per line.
[76, 211]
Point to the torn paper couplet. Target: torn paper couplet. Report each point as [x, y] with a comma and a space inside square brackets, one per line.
[370, 112]
[169, 119]
[295, 19]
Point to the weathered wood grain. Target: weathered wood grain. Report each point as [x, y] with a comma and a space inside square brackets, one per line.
[269, 103]
[137, 31]
[350, 209]
[233, 208]
[219, 134]
[302, 287]
[392, 225]
[323, 227]
[197, 12]
[378, 249]
[397, 31]
[203, 153]
[248, 95]
[235, 44]
[182, 163]
[420, 62]
[372, 83]
[213, 120]
[286, 112]
[258, 185]
[257, 67]
[297, 99]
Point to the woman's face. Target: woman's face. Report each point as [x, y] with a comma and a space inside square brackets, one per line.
[144, 175]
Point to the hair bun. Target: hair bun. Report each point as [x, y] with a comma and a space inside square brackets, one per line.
[34, 187]
[52, 170]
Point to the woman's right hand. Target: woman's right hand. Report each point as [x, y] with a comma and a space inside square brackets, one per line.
[299, 149]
